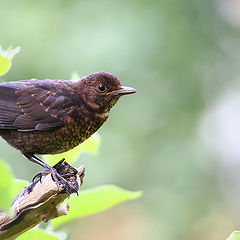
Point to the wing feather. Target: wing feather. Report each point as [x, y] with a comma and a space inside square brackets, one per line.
[32, 105]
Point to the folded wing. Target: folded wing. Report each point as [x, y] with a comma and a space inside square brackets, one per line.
[32, 105]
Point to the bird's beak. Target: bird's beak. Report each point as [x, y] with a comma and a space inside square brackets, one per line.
[124, 91]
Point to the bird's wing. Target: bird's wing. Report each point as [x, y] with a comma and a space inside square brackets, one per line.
[9, 110]
[30, 105]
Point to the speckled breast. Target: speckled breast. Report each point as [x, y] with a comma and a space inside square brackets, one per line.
[53, 141]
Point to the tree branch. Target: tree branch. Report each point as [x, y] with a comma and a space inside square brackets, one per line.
[40, 201]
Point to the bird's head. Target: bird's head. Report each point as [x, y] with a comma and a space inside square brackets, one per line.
[102, 90]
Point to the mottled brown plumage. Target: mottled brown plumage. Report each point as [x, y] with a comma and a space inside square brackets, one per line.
[54, 116]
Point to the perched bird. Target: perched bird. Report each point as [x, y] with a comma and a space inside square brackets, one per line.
[54, 116]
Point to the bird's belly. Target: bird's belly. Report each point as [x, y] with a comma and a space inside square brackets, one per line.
[51, 141]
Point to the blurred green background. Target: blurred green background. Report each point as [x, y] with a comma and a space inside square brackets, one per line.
[177, 139]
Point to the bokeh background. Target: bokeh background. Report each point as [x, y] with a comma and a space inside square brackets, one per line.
[177, 139]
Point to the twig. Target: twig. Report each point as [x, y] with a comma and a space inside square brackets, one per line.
[38, 202]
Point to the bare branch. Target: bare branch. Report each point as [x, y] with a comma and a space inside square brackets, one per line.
[38, 202]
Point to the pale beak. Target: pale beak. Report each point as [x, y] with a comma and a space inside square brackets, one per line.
[124, 91]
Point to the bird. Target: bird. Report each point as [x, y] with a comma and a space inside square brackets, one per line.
[47, 116]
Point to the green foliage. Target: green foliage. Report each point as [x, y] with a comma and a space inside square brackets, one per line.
[17, 186]
[234, 236]
[75, 76]
[9, 186]
[5, 186]
[6, 57]
[90, 146]
[95, 200]
[37, 234]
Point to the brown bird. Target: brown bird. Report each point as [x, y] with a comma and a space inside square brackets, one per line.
[54, 116]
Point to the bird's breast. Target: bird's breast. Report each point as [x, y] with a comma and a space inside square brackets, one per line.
[57, 140]
[75, 132]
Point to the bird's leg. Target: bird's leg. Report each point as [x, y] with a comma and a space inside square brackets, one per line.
[42, 164]
[55, 175]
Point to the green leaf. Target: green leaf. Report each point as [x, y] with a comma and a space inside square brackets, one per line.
[89, 146]
[5, 186]
[9, 187]
[95, 200]
[9, 53]
[5, 65]
[234, 236]
[37, 234]
[17, 186]
[75, 76]
[5, 59]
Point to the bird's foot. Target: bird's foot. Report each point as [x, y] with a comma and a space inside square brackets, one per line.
[39, 175]
[61, 174]
[36, 179]
[61, 181]
[49, 169]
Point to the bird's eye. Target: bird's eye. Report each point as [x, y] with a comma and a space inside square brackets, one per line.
[102, 87]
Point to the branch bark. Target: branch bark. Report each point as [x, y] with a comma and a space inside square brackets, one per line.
[40, 201]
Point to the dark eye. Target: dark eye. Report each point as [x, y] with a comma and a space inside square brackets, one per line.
[102, 87]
